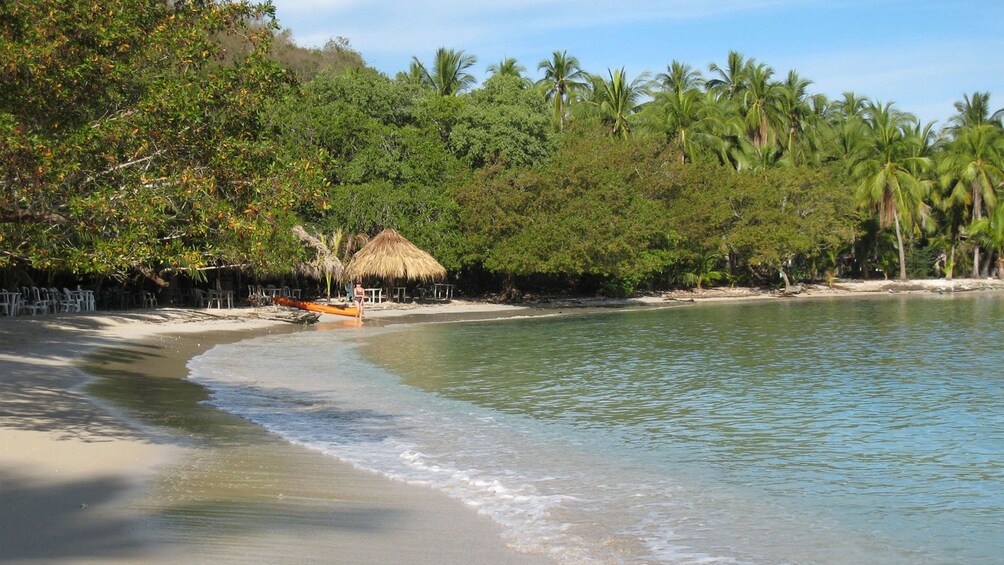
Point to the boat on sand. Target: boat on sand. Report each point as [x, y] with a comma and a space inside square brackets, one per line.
[316, 307]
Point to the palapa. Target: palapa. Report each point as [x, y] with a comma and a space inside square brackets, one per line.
[392, 257]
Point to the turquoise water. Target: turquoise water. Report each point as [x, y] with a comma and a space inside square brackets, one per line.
[820, 431]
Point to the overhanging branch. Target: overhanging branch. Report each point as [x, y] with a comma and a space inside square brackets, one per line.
[24, 217]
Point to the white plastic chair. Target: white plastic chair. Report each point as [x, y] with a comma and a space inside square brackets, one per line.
[87, 300]
[34, 301]
[10, 303]
[69, 301]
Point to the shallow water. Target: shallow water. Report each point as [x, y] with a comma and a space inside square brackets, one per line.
[822, 431]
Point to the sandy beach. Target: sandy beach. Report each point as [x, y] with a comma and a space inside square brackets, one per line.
[128, 466]
[81, 481]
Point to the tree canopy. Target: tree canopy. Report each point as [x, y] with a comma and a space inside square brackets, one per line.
[144, 138]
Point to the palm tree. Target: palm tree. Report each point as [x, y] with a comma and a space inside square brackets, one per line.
[990, 232]
[682, 113]
[887, 183]
[331, 253]
[508, 67]
[851, 106]
[795, 116]
[972, 112]
[618, 99]
[326, 263]
[679, 78]
[704, 270]
[972, 169]
[688, 120]
[449, 74]
[848, 143]
[759, 98]
[562, 76]
[729, 80]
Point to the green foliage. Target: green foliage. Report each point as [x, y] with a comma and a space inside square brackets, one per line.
[586, 212]
[920, 262]
[383, 157]
[563, 76]
[765, 221]
[153, 138]
[503, 123]
[127, 145]
[704, 270]
[448, 74]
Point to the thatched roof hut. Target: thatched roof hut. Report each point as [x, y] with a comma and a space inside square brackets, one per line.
[392, 257]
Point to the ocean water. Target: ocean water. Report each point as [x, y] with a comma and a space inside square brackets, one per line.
[806, 431]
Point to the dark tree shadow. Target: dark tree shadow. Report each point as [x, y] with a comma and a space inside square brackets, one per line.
[48, 522]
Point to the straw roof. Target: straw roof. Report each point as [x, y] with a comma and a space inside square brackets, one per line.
[391, 256]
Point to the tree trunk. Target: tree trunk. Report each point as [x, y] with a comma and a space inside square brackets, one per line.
[950, 267]
[987, 264]
[784, 277]
[153, 276]
[977, 214]
[509, 291]
[902, 253]
[1000, 264]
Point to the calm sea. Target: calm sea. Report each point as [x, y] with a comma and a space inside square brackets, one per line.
[804, 431]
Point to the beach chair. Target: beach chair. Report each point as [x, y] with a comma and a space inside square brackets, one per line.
[87, 300]
[10, 303]
[68, 302]
[34, 300]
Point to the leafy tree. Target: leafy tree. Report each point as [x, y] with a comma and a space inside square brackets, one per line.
[128, 144]
[503, 123]
[336, 56]
[766, 222]
[587, 212]
[382, 155]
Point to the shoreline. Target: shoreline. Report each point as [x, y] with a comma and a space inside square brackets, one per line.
[84, 481]
[202, 486]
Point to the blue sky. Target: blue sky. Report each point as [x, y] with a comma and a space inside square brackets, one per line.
[922, 55]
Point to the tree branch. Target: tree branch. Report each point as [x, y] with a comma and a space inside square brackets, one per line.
[23, 217]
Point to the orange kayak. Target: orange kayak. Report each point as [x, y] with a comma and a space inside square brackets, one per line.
[315, 307]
